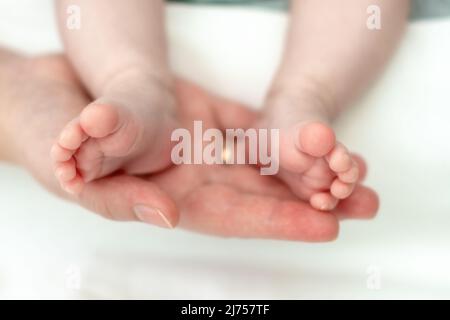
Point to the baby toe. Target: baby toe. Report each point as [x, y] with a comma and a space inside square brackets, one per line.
[341, 190]
[323, 201]
[351, 175]
[89, 160]
[60, 154]
[72, 136]
[339, 159]
[66, 171]
[74, 186]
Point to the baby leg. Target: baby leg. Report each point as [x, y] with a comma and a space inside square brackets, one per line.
[119, 52]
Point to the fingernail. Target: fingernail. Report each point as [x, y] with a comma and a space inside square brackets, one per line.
[152, 216]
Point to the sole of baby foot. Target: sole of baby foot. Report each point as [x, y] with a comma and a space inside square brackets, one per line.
[107, 137]
[316, 167]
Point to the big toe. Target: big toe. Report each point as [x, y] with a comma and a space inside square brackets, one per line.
[100, 120]
[316, 139]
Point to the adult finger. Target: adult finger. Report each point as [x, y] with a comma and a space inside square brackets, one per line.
[221, 210]
[362, 204]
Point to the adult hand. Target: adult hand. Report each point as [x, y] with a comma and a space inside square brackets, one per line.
[230, 200]
[226, 200]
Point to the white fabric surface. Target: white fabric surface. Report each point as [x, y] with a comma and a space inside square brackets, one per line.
[401, 127]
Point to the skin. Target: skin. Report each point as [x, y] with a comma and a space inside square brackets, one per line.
[330, 58]
[120, 54]
[231, 201]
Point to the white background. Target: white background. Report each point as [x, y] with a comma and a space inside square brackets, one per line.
[401, 126]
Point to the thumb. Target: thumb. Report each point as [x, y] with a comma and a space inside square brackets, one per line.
[129, 198]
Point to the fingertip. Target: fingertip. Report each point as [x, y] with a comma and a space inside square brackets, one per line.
[363, 203]
[154, 216]
[307, 224]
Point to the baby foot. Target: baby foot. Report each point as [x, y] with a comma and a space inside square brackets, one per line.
[316, 167]
[128, 128]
